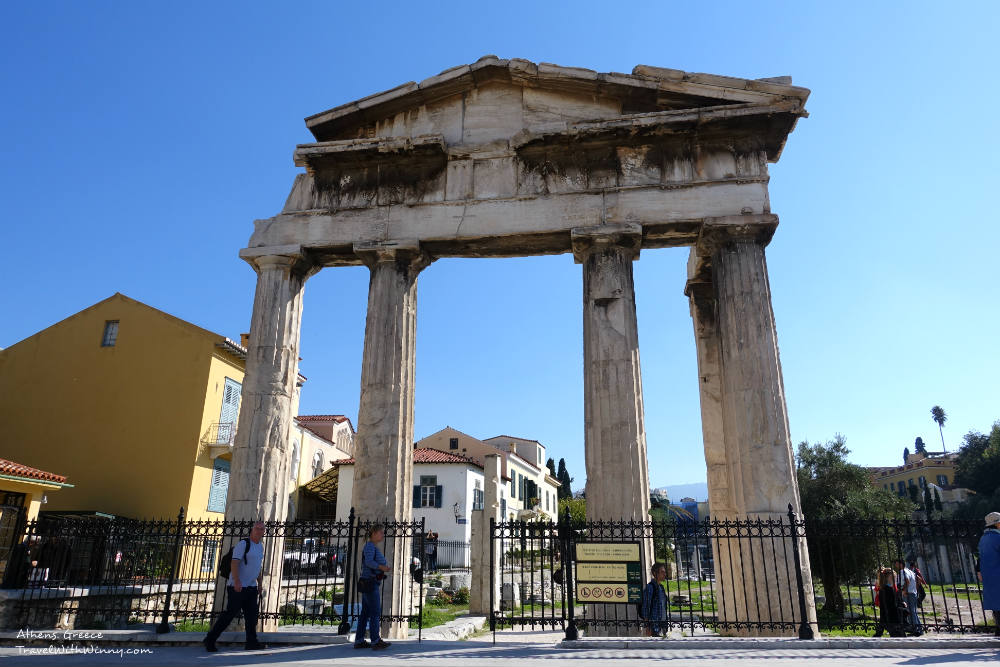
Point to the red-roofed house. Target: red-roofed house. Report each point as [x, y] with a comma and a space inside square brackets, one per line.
[23, 491]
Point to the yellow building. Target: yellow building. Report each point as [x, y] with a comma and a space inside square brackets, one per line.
[137, 407]
[920, 469]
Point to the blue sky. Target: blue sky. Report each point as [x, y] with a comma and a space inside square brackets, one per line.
[141, 140]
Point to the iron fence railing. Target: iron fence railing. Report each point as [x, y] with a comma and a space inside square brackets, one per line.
[435, 555]
[115, 573]
[740, 576]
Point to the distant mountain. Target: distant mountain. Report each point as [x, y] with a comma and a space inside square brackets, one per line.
[696, 490]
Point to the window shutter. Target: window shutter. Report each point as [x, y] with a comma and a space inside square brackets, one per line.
[220, 486]
[416, 496]
[437, 495]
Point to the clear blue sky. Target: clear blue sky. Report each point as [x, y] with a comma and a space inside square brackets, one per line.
[141, 140]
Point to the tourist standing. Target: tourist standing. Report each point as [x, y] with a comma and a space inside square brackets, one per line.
[243, 587]
[654, 601]
[907, 584]
[989, 566]
[432, 551]
[373, 569]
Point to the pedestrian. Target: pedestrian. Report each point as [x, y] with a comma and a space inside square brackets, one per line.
[906, 582]
[428, 550]
[243, 588]
[921, 583]
[989, 567]
[373, 569]
[886, 598]
[654, 601]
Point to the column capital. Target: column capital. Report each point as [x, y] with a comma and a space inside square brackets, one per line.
[717, 233]
[292, 258]
[588, 240]
[373, 253]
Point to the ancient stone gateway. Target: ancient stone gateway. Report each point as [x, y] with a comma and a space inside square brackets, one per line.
[508, 158]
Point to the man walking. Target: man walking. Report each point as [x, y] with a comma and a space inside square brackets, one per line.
[989, 567]
[906, 580]
[243, 588]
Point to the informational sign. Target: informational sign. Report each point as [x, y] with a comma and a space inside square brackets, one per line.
[608, 572]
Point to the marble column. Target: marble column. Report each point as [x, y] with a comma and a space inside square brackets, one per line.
[258, 478]
[617, 470]
[383, 447]
[755, 429]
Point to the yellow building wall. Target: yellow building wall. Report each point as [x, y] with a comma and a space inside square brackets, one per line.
[220, 367]
[928, 468]
[123, 423]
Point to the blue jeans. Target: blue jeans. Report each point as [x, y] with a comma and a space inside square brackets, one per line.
[371, 615]
[911, 602]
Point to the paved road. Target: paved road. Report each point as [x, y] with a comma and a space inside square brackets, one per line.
[510, 651]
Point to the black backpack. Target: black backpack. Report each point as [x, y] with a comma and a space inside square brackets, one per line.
[226, 562]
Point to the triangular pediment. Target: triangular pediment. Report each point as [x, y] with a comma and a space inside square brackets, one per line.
[493, 99]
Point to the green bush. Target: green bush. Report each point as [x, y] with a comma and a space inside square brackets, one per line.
[461, 596]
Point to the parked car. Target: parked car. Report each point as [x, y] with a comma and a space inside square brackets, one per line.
[311, 555]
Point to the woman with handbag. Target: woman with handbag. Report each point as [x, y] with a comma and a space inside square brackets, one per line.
[373, 569]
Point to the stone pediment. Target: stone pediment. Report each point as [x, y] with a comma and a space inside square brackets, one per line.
[486, 104]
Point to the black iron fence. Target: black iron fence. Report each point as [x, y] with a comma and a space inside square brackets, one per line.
[735, 577]
[114, 573]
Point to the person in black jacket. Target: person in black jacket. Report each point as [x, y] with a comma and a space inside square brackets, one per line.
[887, 598]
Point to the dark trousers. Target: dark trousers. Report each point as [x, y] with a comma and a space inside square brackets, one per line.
[371, 615]
[247, 602]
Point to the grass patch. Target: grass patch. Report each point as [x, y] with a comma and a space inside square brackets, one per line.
[434, 615]
[193, 625]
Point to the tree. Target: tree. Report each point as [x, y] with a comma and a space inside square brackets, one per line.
[577, 509]
[565, 481]
[919, 445]
[832, 489]
[937, 500]
[906, 454]
[978, 468]
[914, 493]
[551, 465]
[939, 417]
[928, 501]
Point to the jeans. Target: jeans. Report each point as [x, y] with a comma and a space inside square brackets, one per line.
[371, 615]
[246, 601]
[913, 605]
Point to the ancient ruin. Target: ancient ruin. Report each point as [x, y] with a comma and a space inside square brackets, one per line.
[506, 158]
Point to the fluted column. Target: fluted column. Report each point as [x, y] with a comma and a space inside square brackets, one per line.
[383, 447]
[258, 479]
[758, 445]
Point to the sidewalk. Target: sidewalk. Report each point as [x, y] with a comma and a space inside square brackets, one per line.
[531, 649]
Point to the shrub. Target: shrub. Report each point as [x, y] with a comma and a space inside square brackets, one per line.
[461, 596]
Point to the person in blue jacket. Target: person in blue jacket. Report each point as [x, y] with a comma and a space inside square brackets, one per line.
[373, 569]
[989, 566]
[654, 601]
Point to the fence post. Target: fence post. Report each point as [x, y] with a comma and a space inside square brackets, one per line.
[566, 528]
[345, 619]
[420, 602]
[164, 626]
[805, 630]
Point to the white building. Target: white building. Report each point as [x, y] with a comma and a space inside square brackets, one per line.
[447, 487]
[317, 442]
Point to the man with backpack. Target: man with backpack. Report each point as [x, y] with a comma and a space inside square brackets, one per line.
[243, 587]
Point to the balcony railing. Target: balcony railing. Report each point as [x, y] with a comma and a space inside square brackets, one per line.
[220, 434]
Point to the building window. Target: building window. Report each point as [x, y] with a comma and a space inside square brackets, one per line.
[293, 468]
[429, 491]
[317, 464]
[110, 333]
[477, 497]
[208, 555]
[453, 443]
[513, 484]
[922, 481]
[539, 457]
[942, 480]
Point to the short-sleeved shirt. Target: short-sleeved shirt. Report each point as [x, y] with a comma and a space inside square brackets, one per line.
[907, 581]
[250, 570]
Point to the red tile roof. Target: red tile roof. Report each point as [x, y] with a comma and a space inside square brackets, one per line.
[426, 455]
[19, 470]
[338, 419]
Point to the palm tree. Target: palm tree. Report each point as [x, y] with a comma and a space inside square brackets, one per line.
[938, 415]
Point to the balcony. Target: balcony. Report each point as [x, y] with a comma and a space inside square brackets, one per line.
[219, 438]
